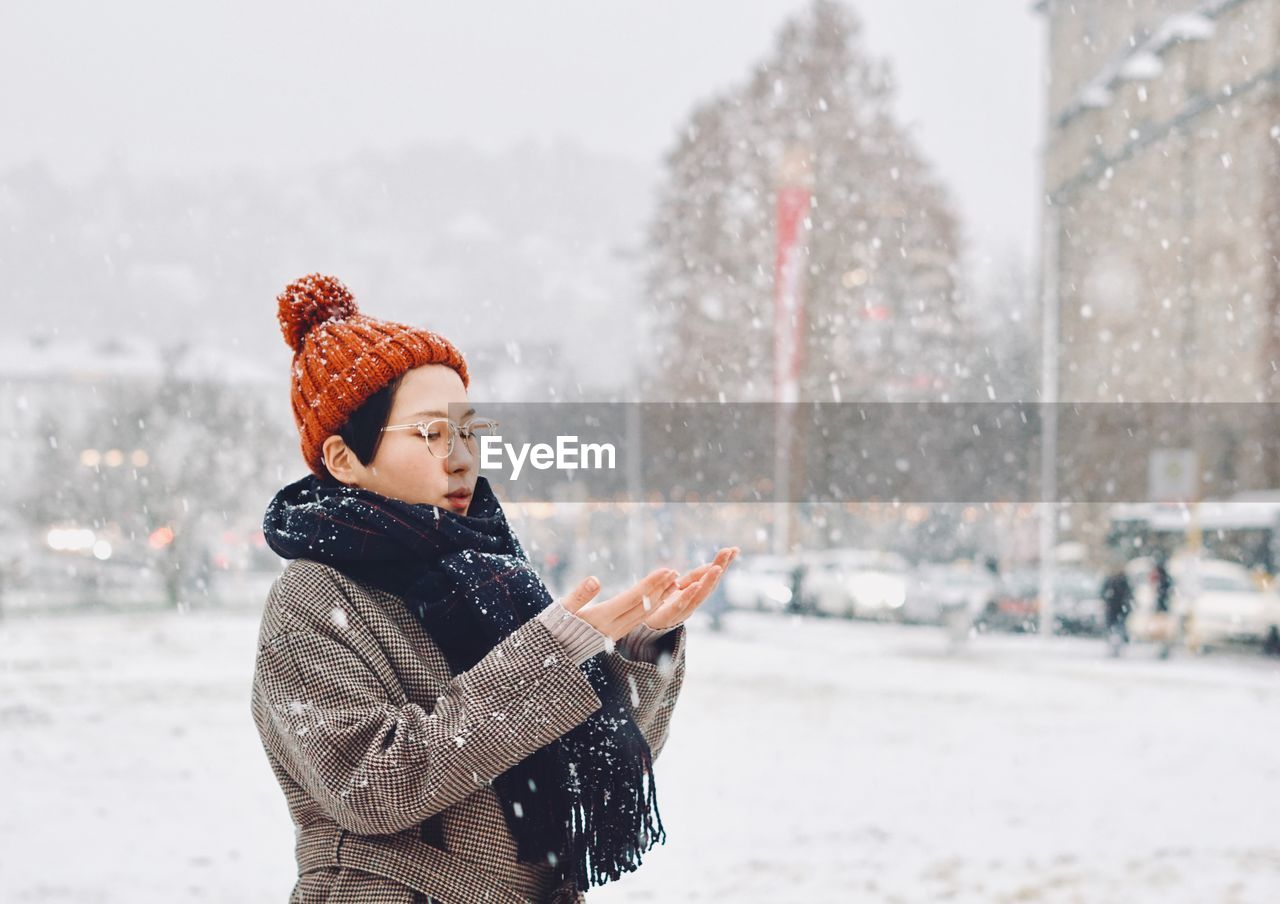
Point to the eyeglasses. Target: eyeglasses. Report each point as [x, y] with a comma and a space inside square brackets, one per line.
[440, 440]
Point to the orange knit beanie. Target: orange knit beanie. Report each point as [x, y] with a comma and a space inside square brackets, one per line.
[341, 357]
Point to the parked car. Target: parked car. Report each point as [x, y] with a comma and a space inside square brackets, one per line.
[1222, 602]
[1015, 605]
[760, 582]
[49, 580]
[855, 583]
[1077, 601]
[936, 589]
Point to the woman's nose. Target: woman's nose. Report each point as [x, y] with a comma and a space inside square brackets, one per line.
[461, 458]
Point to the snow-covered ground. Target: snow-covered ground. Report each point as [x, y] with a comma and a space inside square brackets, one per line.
[808, 761]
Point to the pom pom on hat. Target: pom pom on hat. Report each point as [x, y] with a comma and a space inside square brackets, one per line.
[352, 356]
[308, 302]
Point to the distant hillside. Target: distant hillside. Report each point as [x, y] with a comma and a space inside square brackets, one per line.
[534, 245]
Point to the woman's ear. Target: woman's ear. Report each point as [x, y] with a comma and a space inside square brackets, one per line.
[341, 462]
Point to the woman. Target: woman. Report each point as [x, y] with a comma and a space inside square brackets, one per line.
[442, 729]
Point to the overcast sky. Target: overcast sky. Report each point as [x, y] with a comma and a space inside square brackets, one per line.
[180, 87]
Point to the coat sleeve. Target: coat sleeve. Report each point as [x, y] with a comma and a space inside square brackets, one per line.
[653, 685]
[378, 768]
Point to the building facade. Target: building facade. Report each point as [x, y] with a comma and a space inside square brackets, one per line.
[1162, 213]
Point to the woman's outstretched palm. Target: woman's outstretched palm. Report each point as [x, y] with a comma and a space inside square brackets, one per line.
[692, 588]
[661, 600]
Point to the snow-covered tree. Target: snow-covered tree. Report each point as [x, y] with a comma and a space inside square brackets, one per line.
[880, 292]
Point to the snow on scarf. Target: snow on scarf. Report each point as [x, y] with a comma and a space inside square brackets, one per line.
[587, 800]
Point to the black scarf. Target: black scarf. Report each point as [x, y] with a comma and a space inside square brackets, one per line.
[585, 806]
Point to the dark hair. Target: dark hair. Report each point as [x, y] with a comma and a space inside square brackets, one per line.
[363, 430]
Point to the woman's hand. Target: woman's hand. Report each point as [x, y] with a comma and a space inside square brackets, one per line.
[693, 587]
[662, 600]
[617, 615]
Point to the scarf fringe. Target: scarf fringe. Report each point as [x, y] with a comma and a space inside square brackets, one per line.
[606, 855]
[595, 849]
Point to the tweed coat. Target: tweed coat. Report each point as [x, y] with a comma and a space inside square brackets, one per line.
[370, 735]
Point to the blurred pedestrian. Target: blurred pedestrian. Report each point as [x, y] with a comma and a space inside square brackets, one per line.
[556, 566]
[1162, 618]
[1117, 601]
[796, 604]
[1162, 580]
[716, 605]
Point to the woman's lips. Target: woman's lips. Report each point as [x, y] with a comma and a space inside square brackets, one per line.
[459, 499]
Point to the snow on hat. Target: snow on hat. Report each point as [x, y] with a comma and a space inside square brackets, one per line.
[341, 357]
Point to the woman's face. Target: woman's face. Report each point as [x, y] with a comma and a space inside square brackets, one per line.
[403, 468]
